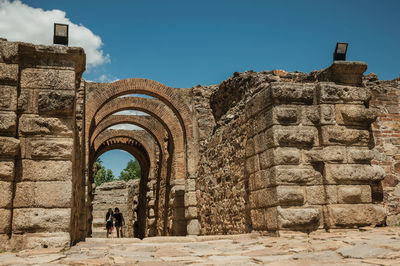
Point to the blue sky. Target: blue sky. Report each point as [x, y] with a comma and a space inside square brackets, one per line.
[185, 43]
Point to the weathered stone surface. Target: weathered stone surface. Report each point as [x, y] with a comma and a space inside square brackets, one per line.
[41, 220]
[50, 148]
[290, 136]
[266, 197]
[9, 146]
[356, 155]
[344, 72]
[8, 98]
[6, 170]
[331, 93]
[259, 102]
[252, 164]
[290, 195]
[8, 73]
[42, 78]
[56, 102]
[286, 114]
[362, 251]
[6, 194]
[41, 194]
[44, 170]
[8, 51]
[5, 216]
[354, 194]
[36, 125]
[8, 121]
[355, 115]
[353, 173]
[193, 227]
[301, 218]
[279, 156]
[316, 195]
[282, 175]
[292, 92]
[340, 135]
[345, 215]
[326, 154]
[190, 199]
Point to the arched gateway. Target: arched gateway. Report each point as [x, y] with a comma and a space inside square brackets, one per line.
[266, 151]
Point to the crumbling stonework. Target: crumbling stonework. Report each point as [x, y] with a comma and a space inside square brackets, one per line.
[269, 151]
[39, 145]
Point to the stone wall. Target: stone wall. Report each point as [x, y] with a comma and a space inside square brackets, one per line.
[38, 144]
[386, 131]
[290, 151]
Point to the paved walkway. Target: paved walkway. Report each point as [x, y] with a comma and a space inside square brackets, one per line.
[378, 246]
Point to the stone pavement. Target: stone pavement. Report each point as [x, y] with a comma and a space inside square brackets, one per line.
[369, 246]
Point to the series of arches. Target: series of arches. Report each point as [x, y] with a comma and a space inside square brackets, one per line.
[163, 148]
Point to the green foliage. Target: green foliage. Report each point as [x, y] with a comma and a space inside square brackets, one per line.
[131, 171]
[101, 174]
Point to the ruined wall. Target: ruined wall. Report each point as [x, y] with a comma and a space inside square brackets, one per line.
[290, 151]
[386, 131]
[38, 131]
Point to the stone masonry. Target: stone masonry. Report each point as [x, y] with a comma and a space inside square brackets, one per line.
[270, 152]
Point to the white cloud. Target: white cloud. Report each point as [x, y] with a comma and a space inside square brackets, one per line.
[106, 78]
[20, 22]
[130, 112]
[126, 127]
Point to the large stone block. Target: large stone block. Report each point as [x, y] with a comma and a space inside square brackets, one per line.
[263, 198]
[190, 199]
[36, 125]
[350, 215]
[6, 194]
[359, 154]
[29, 220]
[353, 173]
[5, 217]
[332, 93]
[27, 101]
[354, 194]
[299, 175]
[8, 73]
[8, 98]
[326, 154]
[41, 240]
[299, 218]
[340, 135]
[56, 102]
[56, 148]
[44, 170]
[252, 164]
[344, 72]
[43, 194]
[279, 156]
[8, 122]
[286, 114]
[261, 179]
[8, 52]
[258, 219]
[292, 92]
[9, 147]
[44, 78]
[296, 136]
[259, 102]
[355, 115]
[290, 195]
[6, 170]
[193, 227]
[316, 195]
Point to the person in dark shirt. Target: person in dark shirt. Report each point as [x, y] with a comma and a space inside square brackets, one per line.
[119, 221]
[109, 222]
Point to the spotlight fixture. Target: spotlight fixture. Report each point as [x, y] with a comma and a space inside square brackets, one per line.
[60, 34]
[340, 51]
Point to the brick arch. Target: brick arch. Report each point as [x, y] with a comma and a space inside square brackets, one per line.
[159, 111]
[135, 151]
[123, 137]
[172, 97]
[148, 123]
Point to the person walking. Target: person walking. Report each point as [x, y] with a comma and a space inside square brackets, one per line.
[119, 222]
[109, 222]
